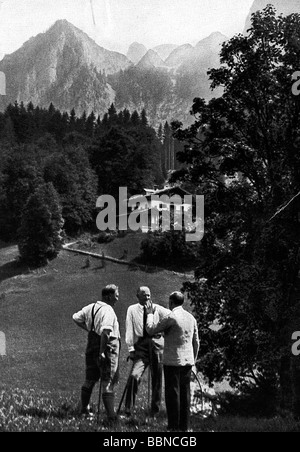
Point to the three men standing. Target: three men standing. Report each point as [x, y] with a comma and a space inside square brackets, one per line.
[146, 323]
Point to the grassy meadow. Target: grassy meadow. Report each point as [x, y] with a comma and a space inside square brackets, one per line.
[43, 370]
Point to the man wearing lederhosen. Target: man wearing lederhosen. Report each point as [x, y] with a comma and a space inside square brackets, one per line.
[102, 351]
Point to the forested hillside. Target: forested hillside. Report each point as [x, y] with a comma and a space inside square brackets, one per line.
[82, 157]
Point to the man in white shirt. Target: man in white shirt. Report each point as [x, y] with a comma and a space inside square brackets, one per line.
[102, 351]
[144, 350]
[180, 352]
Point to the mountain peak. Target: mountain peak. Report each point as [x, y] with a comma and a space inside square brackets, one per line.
[61, 22]
[213, 39]
[180, 54]
[63, 25]
[136, 51]
[151, 60]
[164, 50]
[63, 66]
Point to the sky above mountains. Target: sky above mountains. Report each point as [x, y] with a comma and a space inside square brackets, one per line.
[115, 24]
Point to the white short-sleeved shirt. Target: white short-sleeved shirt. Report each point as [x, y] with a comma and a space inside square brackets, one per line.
[105, 318]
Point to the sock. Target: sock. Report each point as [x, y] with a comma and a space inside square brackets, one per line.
[85, 397]
[108, 401]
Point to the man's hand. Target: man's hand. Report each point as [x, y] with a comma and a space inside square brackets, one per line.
[131, 356]
[102, 358]
[149, 307]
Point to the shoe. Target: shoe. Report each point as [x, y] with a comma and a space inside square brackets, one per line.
[86, 412]
[111, 422]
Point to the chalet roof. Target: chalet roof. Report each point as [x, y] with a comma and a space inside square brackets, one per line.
[170, 191]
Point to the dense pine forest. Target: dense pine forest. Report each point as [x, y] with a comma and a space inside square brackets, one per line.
[82, 157]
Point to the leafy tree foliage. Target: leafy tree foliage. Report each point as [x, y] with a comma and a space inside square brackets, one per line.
[242, 152]
[126, 153]
[20, 176]
[168, 249]
[40, 233]
[82, 157]
[76, 184]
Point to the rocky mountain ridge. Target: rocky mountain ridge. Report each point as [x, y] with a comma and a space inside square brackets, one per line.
[66, 67]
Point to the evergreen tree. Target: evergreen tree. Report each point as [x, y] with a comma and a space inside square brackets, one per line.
[144, 120]
[81, 124]
[105, 122]
[40, 233]
[76, 184]
[160, 133]
[135, 118]
[112, 115]
[90, 125]
[72, 122]
[22, 176]
[126, 117]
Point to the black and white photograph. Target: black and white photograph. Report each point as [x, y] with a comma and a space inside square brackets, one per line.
[149, 218]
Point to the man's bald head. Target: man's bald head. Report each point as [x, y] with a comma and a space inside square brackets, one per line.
[143, 294]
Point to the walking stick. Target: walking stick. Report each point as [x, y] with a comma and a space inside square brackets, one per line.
[200, 387]
[99, 400]
[149, 375]
[125, 389]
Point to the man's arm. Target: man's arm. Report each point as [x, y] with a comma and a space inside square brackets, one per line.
[104, 327]
[162, 325]
[196, 341]
[79, 319]
[162, 312]
[129, 334]
[103, 342]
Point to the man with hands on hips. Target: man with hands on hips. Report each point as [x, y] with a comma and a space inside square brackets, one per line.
[102, 350]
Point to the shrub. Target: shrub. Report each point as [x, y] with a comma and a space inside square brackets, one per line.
[168, 248]
[105, 237]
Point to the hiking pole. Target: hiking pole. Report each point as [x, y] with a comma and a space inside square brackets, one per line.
[125, 389]
[149, 387]
[99, 399]
[149, 376]
[200, 387]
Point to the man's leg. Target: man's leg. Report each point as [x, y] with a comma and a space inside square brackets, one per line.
[108, 398]
[86, 392]
[137, 372]
[185, 397]
[92, 375]
[156, 374]
[110, 376]
[172, 396]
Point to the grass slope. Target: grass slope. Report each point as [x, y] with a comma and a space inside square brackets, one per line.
[43, 369]
[45, 349]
